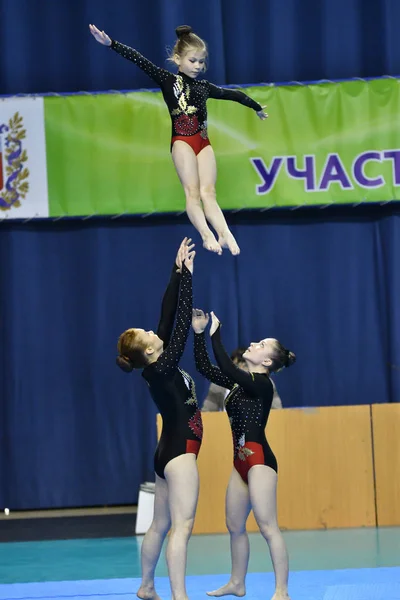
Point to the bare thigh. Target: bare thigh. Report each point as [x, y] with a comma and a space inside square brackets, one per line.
[262, 487]
[182, 477]
[186, 166]
[207, 168]
[237, 503]
[162, 517]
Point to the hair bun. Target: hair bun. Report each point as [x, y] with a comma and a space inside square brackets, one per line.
[183, 30]
[124, 363]
[291, 358]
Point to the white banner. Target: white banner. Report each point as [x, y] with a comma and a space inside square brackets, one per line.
[23, 171]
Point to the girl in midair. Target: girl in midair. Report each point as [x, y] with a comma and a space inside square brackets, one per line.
[192, 153]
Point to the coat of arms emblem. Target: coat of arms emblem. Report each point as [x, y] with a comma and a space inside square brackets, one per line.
[14, 184]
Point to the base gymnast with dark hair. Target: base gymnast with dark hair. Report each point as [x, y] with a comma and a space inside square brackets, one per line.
[192, 152]
[254, 477]
[173, 391]
[215, 398]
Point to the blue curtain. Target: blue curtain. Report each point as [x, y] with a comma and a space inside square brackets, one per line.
[76, 431]
[46, 46]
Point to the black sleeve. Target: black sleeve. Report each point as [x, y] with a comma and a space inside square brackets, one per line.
[204, 365]
[168, 307]
[157, 74]
[169, 359]
[234, 95]
[254, 384]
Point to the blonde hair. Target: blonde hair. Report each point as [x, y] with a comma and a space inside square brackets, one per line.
[187, 40]
[131, 351]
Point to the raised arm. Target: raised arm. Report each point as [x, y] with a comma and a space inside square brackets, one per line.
[254, 384]
[157, 74]
[169, 359]
[169, 306]
[234, 95]
[204, 365]
[171, 295]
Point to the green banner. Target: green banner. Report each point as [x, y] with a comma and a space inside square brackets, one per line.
[330, 143]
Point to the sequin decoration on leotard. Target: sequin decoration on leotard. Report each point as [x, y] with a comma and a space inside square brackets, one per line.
[184, 96]
[172, 389]
[248, 404]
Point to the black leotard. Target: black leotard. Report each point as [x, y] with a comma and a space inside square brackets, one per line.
[185, 97]
[248, 404]
[172, 389]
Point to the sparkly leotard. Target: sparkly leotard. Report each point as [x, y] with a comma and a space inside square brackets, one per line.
[248, 405]
[172, 389]
[185, 98]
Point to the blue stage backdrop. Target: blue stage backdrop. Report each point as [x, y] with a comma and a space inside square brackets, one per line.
[75, 430]
[46, 46]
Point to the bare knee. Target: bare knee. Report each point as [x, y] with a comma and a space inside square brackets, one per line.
[192, 193]
[234, 527]
[160, 526]
[208, 193]
[183, 528]
[268, 530]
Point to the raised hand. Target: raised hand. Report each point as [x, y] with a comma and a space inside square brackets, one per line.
[214, 323]
[261, 114]
[186, 243]
[189, 258]
[199, 320]
[100, 36]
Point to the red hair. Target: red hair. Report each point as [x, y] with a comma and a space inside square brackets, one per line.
[131, 351]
